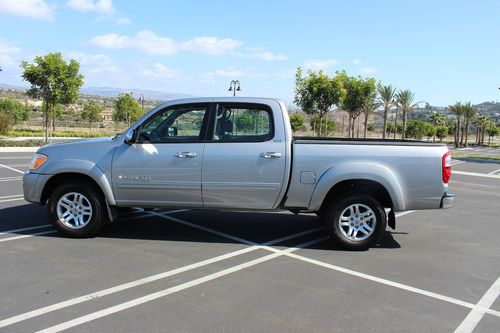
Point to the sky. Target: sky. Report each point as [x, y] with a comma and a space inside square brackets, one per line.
[444, 51]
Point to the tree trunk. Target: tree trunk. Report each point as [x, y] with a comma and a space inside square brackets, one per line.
[366, 124]
[404, 125]
[466, 131]
[395, 124]
[385, 122]
[359, 118]
[352, 128]
[46, 122]
[349, 126]
[462, 135]
[54, 121]
[457, 132]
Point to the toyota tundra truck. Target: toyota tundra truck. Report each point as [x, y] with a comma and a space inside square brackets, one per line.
[237, 154]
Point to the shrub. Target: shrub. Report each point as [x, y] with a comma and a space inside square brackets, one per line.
[6, 121]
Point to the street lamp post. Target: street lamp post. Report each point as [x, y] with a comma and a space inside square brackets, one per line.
[141, 99]
[234, 86]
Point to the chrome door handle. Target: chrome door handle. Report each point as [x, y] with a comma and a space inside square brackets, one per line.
[185, 154]
[269, 155]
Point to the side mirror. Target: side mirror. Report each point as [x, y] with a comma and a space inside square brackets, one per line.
[130, 136]
[172, 131]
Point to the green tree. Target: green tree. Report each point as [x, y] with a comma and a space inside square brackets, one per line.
[441, 132]
[127, 109]
[329, 125]
[317, 93]
[386, 99]
[92, 113]
[406, 102]
[55, 112]
[416, 129]
[296, 121]
[438, 119]
[468, 111]
[18, 110]
[493, 130]
[358, 92]
[430, 131]
[53, 80]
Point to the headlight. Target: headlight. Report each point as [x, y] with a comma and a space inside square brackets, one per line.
[37, 161]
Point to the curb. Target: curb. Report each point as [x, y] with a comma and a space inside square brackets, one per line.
[18, 149]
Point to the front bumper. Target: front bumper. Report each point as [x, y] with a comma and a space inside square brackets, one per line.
[33, 184]
[447, 201]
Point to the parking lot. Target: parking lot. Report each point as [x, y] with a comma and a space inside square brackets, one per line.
[205, 271]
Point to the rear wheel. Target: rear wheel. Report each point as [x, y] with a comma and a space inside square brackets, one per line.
[356, 221]
[77, 209]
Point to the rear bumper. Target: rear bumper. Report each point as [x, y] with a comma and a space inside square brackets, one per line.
[447, 201]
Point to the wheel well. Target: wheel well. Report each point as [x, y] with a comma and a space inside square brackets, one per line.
[61, 178]
[370, 187]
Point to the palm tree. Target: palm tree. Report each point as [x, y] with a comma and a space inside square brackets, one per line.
[438, 119]
[468, 111]
[405, 99]
[457, 110]
[386, 98]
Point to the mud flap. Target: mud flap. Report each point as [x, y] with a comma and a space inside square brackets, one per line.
[391, 219]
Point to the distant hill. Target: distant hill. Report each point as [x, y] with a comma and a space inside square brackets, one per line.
[114, 92]
[148, 94]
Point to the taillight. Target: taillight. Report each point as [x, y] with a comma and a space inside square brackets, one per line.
[446, 167]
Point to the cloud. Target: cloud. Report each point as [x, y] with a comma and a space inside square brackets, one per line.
[253, 73]
[368, 70]
[35, 9]
[209, 45]
[147, 41]
[320, 64]
[8, 54]
[104, 8]
[260, 54]
[160, 71]
[94, 63]
[357, 62]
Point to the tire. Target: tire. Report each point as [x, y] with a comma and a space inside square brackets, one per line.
[356, 221]
[77, 209]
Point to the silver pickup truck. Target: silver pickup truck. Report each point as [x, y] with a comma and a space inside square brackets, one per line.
[237, 154]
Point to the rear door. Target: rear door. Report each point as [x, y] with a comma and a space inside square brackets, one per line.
[163, 168]
[244, 159]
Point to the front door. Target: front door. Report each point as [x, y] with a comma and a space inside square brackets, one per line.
[244, 161]
[163, 168]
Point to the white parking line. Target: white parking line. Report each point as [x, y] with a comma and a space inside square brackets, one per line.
[11, 196]
[171, 290]
[14, 199]
[8, 179]
[477, 313]
[474, 174]
[457, 162]
[394, 284]
[139, 282]
[494, 172]
[8, 167]
[27, 236]
[13, 231]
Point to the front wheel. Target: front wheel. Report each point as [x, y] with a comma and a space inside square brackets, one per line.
[76, 209]
[356, 221]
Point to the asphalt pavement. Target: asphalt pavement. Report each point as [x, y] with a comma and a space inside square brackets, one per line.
[204, 271]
